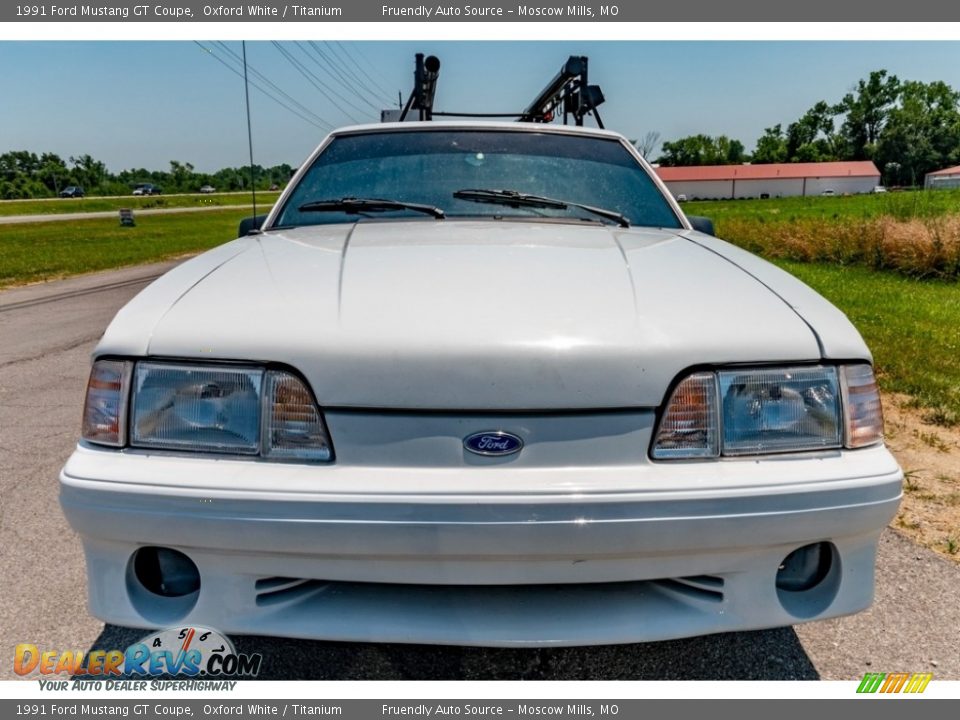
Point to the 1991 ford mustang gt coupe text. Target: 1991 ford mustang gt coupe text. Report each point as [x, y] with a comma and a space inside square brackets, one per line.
[479, 384]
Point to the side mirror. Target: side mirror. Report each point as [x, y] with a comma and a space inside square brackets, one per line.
[251, 225]
[702, 224]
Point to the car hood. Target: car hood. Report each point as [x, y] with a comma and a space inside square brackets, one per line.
[478, 315]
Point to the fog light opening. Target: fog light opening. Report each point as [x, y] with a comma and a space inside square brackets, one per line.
[166, 572]
[163, 584]
[804, 568]
[808, 579]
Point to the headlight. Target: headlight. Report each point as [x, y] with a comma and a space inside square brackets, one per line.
[214, 409]
[205, 408]
[770, 410]
[780, 410]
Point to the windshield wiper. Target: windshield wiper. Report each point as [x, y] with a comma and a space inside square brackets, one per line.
[359, 205]
[515, 198]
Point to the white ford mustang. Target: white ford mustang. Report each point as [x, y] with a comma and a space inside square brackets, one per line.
[479, 384]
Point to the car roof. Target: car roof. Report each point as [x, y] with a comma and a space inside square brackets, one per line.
[477, 125]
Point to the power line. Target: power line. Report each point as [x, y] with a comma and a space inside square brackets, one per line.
[328, 65]
[321, 124]
[359, 67]
[236, 72]
[318, 83]
[328, 92]
[334, 73]
[348, 68]
[263, 78]
[303, 109]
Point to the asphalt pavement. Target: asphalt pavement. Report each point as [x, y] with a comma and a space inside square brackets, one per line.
[46, 334]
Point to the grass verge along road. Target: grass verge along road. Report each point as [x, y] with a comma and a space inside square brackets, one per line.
[44, 251]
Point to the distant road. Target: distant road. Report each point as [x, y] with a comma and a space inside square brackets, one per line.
[124, 197]
[55, 217]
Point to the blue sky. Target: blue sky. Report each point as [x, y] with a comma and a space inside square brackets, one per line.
[142, 104]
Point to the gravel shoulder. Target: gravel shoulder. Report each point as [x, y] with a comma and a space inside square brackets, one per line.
[930, 457]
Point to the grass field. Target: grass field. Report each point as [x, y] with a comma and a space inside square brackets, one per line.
[135, 202]
[42, 251]
[913, 233]
[912, 327]
[909, 205]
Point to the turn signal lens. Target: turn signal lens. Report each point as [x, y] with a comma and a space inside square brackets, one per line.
[861, 402]
[292, 426]
[105, 409]
[690, 426]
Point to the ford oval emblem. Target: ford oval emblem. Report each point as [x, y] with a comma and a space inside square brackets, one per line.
[494, 442]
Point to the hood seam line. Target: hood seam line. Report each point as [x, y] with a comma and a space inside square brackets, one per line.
[343, 263]
[777, 295]
[182, 295]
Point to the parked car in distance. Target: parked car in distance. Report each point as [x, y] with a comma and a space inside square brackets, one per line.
[681, 197]
[72, 191]
[207, 189]
[879, 189]
[534, 406]
[829, 192]
[146, 189]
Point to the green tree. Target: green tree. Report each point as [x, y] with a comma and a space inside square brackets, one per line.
[181, 176]
[921, 134]
[866, 110]
[17, 163]
[811, 138]
[771, 147]
[87, 172]
[53, 172]
[703, 150]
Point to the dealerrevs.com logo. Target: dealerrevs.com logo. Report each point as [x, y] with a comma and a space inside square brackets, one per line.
[181, 651]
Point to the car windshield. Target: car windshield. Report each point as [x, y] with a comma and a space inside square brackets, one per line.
[429, 167]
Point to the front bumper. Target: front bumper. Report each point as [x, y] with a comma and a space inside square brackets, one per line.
[692, 548]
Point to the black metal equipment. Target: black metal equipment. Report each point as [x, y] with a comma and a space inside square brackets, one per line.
[569, 89]
[424, 86]
[569, 92]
